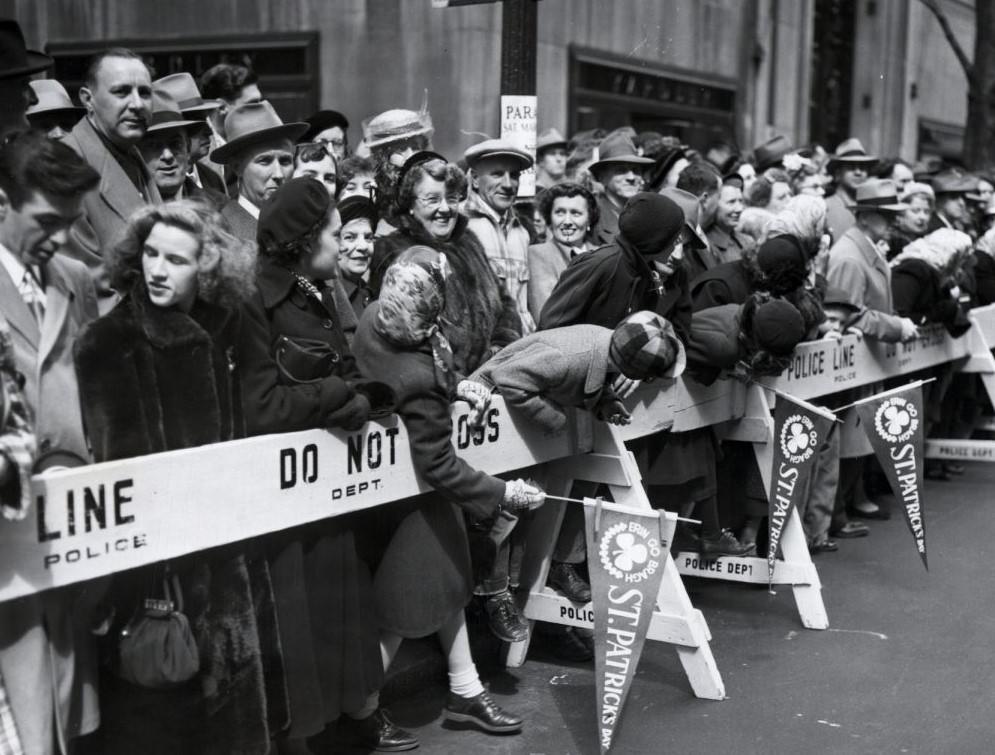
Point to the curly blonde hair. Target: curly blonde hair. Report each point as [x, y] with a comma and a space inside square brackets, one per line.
[226, 265]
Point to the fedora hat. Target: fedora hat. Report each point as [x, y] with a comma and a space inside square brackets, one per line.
[662, 165]
[497, 148]
[396, 125]
[954, 182]
[771, 152]
[183, 89]
[15, 58]
[879, 195]
[688, 202]
[53, 100]
[618, 149]
[166, 113]
[850, 151]
[550, 138]
[251, 124]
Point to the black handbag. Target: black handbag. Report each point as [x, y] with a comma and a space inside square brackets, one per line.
[157, 649]
[304, 360]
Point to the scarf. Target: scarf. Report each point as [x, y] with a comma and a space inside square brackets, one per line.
[941, 250]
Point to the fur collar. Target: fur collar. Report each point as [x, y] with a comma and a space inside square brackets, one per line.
[170, 328]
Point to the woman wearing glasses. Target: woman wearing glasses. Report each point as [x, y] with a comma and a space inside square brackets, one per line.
[482, 316]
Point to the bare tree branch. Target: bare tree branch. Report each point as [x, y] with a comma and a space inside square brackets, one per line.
[948, 32]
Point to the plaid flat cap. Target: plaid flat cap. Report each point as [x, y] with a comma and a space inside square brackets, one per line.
[643, 346]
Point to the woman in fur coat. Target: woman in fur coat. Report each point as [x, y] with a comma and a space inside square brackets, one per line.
[158, 373]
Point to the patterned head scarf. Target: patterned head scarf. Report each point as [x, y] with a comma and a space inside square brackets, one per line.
[803, 217]
[412, 298]
[943, 249]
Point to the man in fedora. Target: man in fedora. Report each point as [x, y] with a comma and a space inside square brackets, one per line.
[117, 96]
[551, 159]
[166, 151]
[771, 153]
[858, 266]
[495, 170]
[849, 168]
[182, 88]
[260, 154]
[17, 64]
[950, 211]
[620, 170]
[54, 111]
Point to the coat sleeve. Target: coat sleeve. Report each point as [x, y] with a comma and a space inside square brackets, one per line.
[427, 417]
[846, 274]
[906, 288]
[270, 405]
[571, 296]
[711, 292]
[524, 382]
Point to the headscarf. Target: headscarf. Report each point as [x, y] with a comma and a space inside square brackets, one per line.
[803, 217]
[412, 298]
[755, 223]
[942, 249]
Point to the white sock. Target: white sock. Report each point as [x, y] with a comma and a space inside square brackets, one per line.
[463, 678]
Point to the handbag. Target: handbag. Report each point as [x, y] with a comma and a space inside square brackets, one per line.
[156, 649]
[304, 360]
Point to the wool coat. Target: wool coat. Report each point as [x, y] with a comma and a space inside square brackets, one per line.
[424, 576]
[727, 246]
[921, 295]
[480, 317]
[547, 261]
[151, 380]
[242, 224]
[47, 655]
[839, 215]
[323, 588]
[107, 208]
[728, 283]
[607, 228]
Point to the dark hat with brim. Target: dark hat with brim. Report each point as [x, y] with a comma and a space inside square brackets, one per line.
[618, 149]
[550, 138]
[183, 89]
[252, 124]
[15, 58]
[53, 101]
[771, 152]
[324, 119]
[954, 182]
[878, 195]
[850, 151]
[166, 114]
[662, 165]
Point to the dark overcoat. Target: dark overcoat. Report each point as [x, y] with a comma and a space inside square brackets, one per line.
[919, 294]
[728, 283]
[153, 380]
[425, 576]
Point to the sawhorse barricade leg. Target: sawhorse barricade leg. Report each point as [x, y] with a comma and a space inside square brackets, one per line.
[796, 568]
[675, 620]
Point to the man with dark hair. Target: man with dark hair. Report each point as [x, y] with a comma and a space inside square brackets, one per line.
[703, 180]
[117, 96]
[46, 299]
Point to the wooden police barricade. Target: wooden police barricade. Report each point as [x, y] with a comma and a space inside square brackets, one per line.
[674, 620]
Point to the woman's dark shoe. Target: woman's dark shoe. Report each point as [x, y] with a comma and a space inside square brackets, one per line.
[482, 712]
[936, 471]
[504, 618]
[725, 544]
[377, 732]
[564, 577]
[851, 529]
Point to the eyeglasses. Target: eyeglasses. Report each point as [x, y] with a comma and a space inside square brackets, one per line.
[433, 201]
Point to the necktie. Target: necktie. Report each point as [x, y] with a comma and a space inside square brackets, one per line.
[31, 291]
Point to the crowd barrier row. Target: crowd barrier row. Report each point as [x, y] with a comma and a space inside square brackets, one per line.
[100, 519]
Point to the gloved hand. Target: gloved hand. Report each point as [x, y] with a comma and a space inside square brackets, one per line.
[352, 415]
[611, 409]
[909, 329]
[520, 496]
[478, 396]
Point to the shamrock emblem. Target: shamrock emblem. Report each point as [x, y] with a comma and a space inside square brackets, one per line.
[896, 419]
[627, 552]
[798, 439]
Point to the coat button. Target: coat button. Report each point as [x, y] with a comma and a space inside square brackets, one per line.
[326, 324]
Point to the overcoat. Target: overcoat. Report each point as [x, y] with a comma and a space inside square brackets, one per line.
[46, 650]
[242, 224]
[547, 261]
[921, 295]
[424, 576]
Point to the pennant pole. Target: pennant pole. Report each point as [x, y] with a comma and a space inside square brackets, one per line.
[885, 394]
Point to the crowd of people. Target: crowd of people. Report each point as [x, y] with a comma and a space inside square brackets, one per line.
[182, 267]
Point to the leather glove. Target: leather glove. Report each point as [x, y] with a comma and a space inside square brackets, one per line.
[352, 415]
[520, 496]
[612, 410]
[478, 396]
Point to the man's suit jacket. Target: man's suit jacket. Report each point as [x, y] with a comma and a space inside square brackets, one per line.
[243, 225]
[46, 651]
[857, 268]
[839, 215]
[107, 208]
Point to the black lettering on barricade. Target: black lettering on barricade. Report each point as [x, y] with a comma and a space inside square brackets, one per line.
[309, 463]
[120, 499]
[44, 534]
[94, 508]
[93, 551]
[626, 558]
[375, 446]
[799, 432]
[892, 422]
[288, 468]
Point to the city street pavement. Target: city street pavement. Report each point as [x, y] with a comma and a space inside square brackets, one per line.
[908, 665]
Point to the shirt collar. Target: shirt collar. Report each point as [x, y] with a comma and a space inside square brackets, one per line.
[14, 267]
[248, 207]
[476, 204]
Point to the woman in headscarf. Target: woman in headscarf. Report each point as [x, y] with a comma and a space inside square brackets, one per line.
[424, 579]
[926, 278]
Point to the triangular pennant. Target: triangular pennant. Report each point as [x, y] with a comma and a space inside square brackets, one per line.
[627, 552]
[799, 431]
[893, 422]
